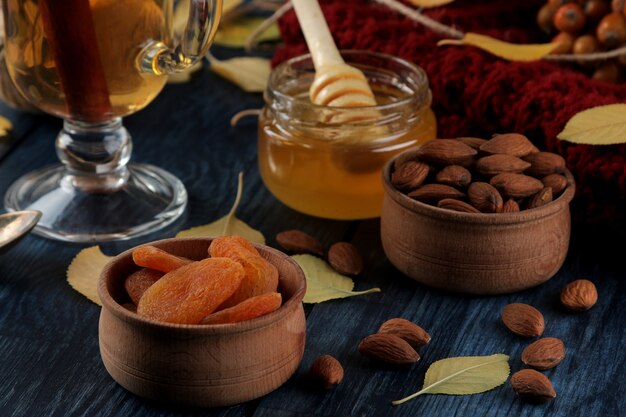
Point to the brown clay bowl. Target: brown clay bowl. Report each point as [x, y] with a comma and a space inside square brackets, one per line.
[201, 365]
[474, 253]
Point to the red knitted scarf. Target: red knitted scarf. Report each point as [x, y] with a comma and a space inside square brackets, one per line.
[476, 94]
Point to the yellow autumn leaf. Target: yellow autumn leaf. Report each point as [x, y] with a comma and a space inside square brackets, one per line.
[463, 375]
[323, 283]
[508, 51]
[83, 273]
[235, 32]
[5, 126]
[249, 73]
[427, 4]
[602, 125]
[228, 225]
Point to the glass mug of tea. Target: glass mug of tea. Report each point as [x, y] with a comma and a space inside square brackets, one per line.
[91, 62]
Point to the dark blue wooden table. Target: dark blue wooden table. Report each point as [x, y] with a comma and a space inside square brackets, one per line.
[49, 359]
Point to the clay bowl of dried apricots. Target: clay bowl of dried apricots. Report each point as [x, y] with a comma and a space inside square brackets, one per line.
[201, 322]
[477, 216]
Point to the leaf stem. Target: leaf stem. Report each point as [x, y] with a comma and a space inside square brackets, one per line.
[231, 214]
[426, 389]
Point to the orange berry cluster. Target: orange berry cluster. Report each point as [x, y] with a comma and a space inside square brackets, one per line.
[585, 27]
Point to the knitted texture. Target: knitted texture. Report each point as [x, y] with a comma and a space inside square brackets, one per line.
[477, 94]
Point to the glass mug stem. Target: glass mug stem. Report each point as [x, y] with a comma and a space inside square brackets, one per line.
[95, 155]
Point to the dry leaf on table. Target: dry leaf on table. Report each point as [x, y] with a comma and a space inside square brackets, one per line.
[228, 225]
[5, 126]
[509, 51]
[83, 273]
[464, 375]
[324, 283]
[235, 32]
[249, 73]
[427, 4]
[602, 125]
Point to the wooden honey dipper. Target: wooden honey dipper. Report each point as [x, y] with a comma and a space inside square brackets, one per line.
[336, 83]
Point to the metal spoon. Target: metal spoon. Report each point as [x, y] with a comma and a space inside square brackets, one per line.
[15, 225]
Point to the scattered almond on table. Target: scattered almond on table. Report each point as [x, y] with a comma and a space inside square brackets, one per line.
[532, 386]
[523, 320]
[543, 354]
[326, 372]
[579, 295]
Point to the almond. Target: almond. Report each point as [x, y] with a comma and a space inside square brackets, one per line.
[544, 163]
[544, 354]
[326, 372]
[409, 175]
[446, 152]
[345, 258]
[542, 198]
[388, 348]
[555, 181]
[579, 295]
[532, 386]
[297, 241]
[510, 206]
[523, 320]
[513, 144]
[474, 143]
[516, 185]
[485, 197]
[410, 332]
[496, 164]
[435, 192]
[457, 205]
[454, 175]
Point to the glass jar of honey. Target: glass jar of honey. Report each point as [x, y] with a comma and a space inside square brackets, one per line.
[327, 161]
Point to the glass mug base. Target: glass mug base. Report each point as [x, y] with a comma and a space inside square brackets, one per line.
[149, 199]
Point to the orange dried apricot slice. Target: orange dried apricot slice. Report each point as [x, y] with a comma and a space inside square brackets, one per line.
[226, 246]
[190, 293]
[138, 282]
[155, 258]
[261, 276]
[246, 310]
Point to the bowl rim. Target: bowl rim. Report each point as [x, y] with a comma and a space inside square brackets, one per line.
[476, 218]
[201, 329]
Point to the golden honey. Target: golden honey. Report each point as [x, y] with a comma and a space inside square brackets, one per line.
[327, 162]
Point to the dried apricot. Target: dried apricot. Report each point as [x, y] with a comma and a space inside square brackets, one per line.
[261, 276]
[155, 258]
[191, 292]
[225, 246]
[138, 282]
[246, 310]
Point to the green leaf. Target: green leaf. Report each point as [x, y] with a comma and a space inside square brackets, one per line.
[464, 375]
[83, 273]
[249, 73]
[228, 225]
[324, 283]
[602, 125]
[235, 32]
[508, 51]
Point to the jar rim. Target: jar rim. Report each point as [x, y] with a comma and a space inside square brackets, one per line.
[421, 93]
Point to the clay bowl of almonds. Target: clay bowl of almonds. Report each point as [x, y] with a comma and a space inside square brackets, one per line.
[201, 322]
[477, 216]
